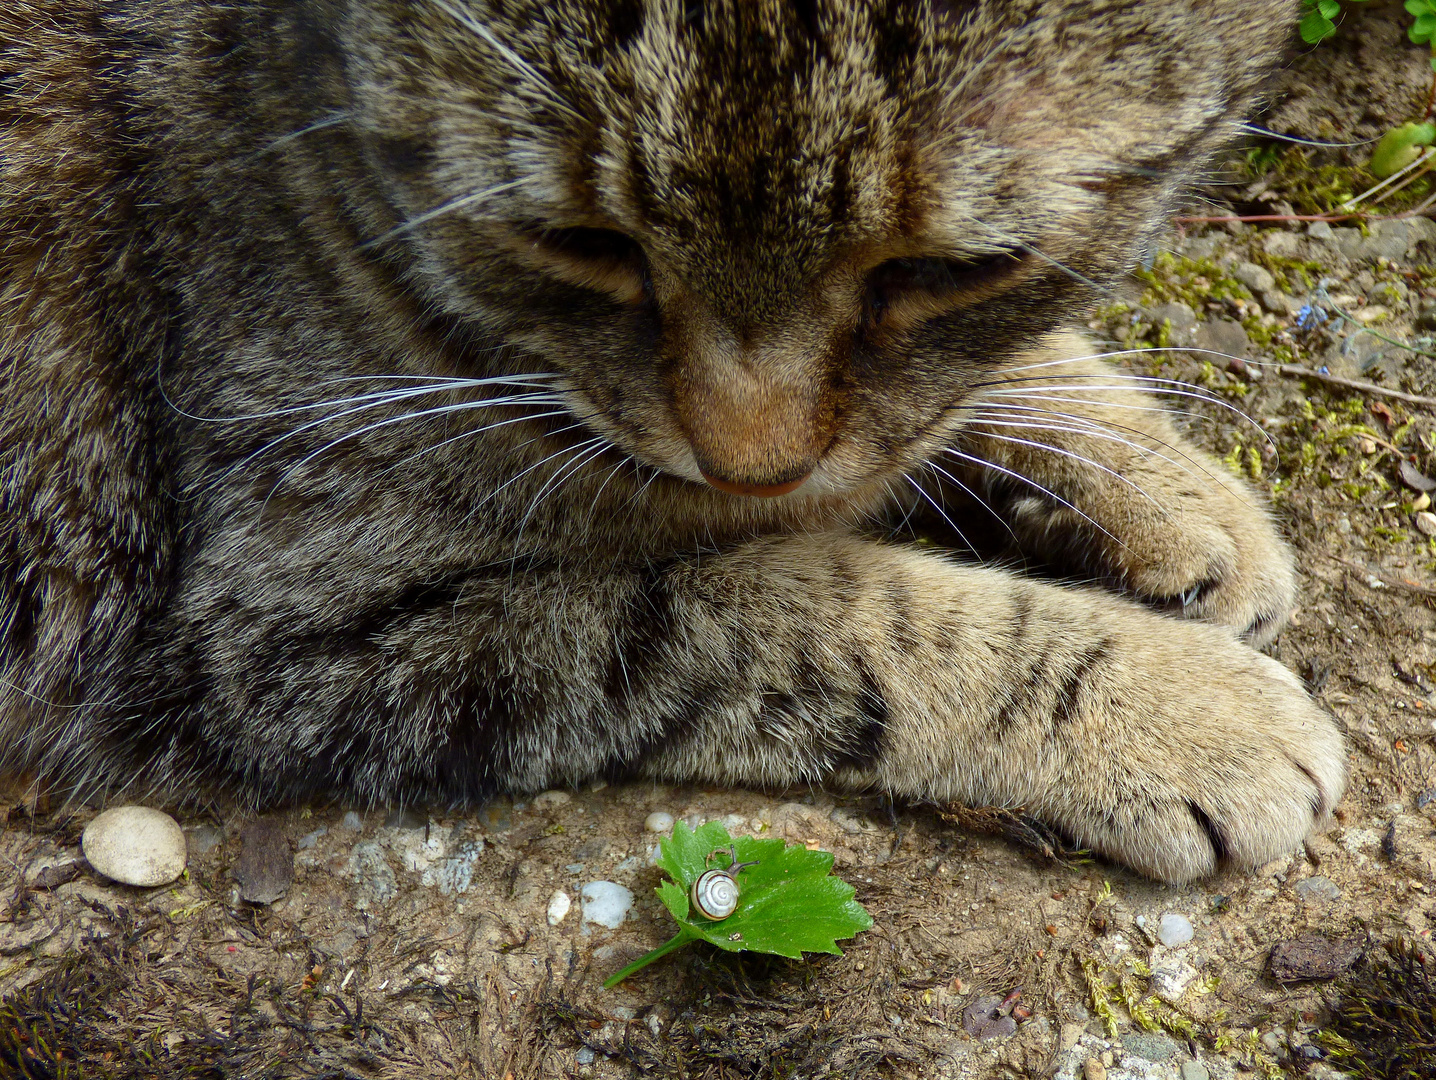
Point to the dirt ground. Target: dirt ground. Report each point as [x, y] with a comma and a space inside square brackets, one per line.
[413, 945]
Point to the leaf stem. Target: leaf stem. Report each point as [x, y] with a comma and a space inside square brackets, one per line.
[680, 939]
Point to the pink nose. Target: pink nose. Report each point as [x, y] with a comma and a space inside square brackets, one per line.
[768, 491]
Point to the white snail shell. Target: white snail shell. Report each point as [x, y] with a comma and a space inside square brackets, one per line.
[714, 895]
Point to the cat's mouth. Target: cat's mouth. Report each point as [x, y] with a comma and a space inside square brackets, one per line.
[762, 491]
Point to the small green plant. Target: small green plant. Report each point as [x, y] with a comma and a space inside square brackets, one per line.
[1319, 22]
[788, 901]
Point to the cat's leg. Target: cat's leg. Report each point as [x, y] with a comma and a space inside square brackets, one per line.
[1091, 476]
[1167, 745]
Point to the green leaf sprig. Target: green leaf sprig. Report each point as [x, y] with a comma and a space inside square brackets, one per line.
[1319, 22]
[789, 903]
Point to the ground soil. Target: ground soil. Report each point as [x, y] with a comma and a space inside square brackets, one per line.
[419, 945]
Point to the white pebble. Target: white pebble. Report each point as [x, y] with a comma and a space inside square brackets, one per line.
[734, 822]
[549, 799]
[351, 821]
[1174, 930]
[135, 845]
[558, 908]
[606, 903]
[1426, 522]
[658, 821]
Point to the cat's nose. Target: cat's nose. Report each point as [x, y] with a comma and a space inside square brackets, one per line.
[764, 491]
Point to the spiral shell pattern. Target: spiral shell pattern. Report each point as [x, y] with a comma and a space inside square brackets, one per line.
[715, 895]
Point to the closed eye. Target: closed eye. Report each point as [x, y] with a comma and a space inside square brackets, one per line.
[909, 289]
[602, 259]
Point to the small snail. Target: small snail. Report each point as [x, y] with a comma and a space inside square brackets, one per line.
[715, 894]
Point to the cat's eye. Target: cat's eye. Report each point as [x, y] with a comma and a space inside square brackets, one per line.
[603, 259]
[918, 287]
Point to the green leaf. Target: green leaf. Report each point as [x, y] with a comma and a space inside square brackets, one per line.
[1315, 27]
[1416, 7]
[1399, 147]
[788, 903]
[1330, 8]
[1422, 28]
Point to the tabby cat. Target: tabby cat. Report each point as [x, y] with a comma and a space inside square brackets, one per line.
[412, 400]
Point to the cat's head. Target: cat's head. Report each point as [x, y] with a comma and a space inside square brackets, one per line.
[778, 240]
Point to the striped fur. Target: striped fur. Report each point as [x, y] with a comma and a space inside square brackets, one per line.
[363, 361]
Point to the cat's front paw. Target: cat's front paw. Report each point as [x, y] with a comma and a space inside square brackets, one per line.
[1195, 544]
[1232, 770]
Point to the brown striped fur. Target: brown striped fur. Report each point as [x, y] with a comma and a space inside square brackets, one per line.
[760, 240]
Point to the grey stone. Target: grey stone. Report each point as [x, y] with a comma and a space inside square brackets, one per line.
[308, 840]
[1420, 230]
[1319, 230]
[1388, 240]
[1200, 247]
[1256, 278]
[1179, 314]
[1224, 336]
[1318, 888]
[1194, 1070]
[1174, 930]
[1153, 1047]
[1282, 244]
[351, 821]
[368, 866]
[1348, 242]
[1279, 303]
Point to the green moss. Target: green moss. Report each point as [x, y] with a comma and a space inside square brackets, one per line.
[1288, 272]
[1195, 282]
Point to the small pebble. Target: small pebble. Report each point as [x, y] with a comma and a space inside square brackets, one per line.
[733, 822]
[308, 840]
[658, 822]
[584, 1056]
[1174, 930]
[606, 903]
[1194, 1070]
[558, 908]
[135, 845]
[1426, 521]
[351, 821]
[1272, 1041]
[1318, 888]
[1093, 1069]
[549, 800]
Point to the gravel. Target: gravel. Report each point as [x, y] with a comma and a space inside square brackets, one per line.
[658, 822]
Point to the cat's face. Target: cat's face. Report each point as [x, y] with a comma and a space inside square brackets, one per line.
[770, 240]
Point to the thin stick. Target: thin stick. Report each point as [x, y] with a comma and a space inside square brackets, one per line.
[1296, 371]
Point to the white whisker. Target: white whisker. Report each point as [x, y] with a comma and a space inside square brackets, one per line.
[983, 463]
[940, 511]
[318, 125]
[448, 207]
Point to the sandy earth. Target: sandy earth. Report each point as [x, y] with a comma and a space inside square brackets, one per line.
[415, 946]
